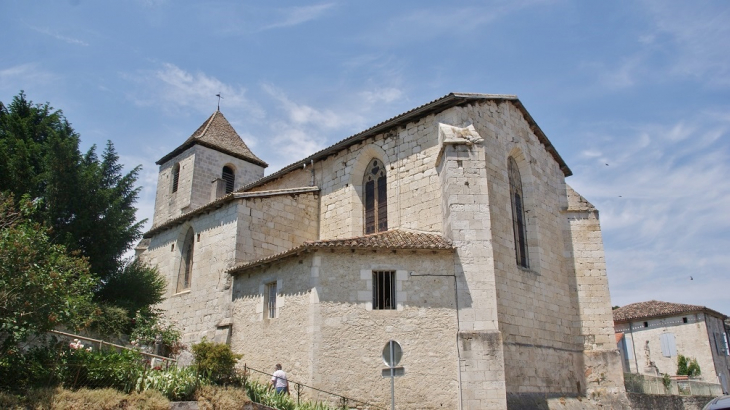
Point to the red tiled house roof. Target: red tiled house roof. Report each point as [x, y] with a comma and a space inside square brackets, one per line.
[655, 308]
[395, 239]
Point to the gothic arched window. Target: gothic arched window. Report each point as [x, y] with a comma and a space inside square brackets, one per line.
[229, 177]
[376, 197]
[186, 262]
[519, 222]
[175, 176]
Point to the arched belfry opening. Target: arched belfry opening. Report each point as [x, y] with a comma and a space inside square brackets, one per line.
[175, 176]
[229, 178]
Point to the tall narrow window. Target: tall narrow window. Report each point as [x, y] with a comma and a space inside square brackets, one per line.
[270, 301]
[229, 177]
[519, 222]
[175, 176]
[376, 198]
[383, 290]
[186, 263]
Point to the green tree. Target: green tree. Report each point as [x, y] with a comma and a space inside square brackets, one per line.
[687, 366]
[123, 288]
[87, 201]
[41, 286]
[216, 361]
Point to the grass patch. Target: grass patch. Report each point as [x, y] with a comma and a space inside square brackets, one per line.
[101, 399]
[221, 398]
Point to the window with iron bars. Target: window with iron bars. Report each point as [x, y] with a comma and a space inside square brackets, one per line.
[270, 301]
[384, 290]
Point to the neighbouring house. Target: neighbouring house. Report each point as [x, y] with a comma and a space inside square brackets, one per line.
[652, 334]
[449, 229]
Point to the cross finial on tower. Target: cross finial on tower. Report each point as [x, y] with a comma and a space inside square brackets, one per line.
[219, 100]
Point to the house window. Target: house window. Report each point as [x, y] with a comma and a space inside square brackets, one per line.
[175, 176]
[519, 222]
[669, 346]
[384, 290]
[376, 198]
[229, 177]
[186, 263]
[270, 300]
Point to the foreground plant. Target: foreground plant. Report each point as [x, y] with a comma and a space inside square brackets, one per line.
[176, 383]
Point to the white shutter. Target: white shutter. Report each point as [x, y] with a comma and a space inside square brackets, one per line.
[669, 347]
[629, 348]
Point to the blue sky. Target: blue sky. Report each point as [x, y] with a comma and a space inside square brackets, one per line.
[643, 86]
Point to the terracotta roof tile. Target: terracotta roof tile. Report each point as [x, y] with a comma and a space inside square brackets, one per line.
[217, 133]
[655, 308]
[394, 239]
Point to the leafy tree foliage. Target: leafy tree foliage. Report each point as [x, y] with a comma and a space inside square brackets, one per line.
[123, 287]
[41, 286]
[86, 200]
[216, 361]
[687, 366]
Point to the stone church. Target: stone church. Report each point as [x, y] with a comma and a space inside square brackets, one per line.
[449, 229]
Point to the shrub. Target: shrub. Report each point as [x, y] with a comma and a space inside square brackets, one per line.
[38, 367]
[216, 362]
[176, 383]
[149, 324]
[86, 367]
[666, 381]
[687, 367]
[112, 321]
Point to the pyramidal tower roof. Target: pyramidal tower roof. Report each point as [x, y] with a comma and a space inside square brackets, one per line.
[218, 134]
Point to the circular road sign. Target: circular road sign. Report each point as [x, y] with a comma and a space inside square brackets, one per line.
[392, 353]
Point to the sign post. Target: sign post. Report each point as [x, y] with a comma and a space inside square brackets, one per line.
[392, 354]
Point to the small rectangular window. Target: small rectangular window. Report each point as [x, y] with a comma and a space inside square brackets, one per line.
[646, 324]
[270, 301]
[384, 290]
[684, 320]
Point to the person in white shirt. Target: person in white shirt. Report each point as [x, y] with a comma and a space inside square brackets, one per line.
[279, 381]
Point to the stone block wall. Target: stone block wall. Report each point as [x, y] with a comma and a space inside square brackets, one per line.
[414, 194]
[195, 188]
[275, 223]
[199, 309]
[169, 204]
[535, 315]
[326, 334]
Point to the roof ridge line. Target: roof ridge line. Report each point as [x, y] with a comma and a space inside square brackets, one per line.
[210, 121]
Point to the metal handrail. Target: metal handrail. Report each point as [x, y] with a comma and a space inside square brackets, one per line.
[102, 343]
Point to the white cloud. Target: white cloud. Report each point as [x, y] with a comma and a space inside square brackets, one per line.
[302, 114]
[175, 89]
[57, 36]
[386, 95]
[663, 200]
[297, 15]
[699, 35]
[24, 76]
[423, 24]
